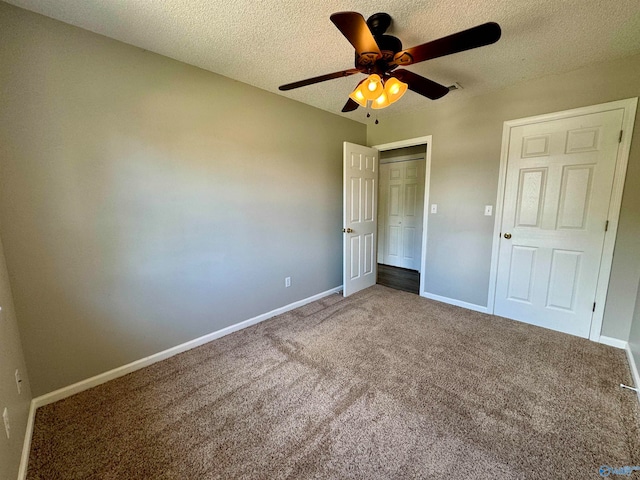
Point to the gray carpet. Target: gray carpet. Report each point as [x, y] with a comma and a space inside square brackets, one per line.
[381, 385]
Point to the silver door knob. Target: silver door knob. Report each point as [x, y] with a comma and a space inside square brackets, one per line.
[347, 230]
[507, 236]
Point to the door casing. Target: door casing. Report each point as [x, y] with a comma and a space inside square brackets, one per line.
[412, 142]
[629, 106]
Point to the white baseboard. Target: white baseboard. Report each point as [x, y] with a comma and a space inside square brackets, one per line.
[145, 362]
[634, 368]
[613, 342]
[457, 303]
[26, 445]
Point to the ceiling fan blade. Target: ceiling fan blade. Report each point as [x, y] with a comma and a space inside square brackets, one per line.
[355, 28]
[321, 78]
[479, 36]
[421, 85]
[350, 106]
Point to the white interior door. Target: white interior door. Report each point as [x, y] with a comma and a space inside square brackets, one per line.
[402, 205]
[360, 184]
[557, 192]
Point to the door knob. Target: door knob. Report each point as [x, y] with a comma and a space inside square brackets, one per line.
[507, 236]
[347, 230]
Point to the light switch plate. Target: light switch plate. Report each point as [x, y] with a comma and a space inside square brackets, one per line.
[488, 210]
[434, 208]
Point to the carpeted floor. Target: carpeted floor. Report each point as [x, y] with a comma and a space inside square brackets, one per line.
[381, 385]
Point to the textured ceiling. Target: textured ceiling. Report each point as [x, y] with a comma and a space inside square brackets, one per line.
[269, 43]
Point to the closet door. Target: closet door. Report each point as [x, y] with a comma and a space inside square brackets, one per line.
[402, 204]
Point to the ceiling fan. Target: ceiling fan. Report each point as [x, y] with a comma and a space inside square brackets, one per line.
[379, 56]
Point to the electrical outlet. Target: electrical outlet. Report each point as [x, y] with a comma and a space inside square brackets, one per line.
[488, 210]
[434, 208]
[287, 282]
[5, 417]
[18, 381]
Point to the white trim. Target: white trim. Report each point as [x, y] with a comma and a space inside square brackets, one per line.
[26, 444]
[612, 342]
[453, 301]
[137, 365]
[629, 107]
[425, 209]
[634, 370]
[157, 357]
[88, 383]
[497, 222]
[412, 142]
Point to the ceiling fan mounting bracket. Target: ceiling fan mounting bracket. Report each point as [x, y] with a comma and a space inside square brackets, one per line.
[378, 23]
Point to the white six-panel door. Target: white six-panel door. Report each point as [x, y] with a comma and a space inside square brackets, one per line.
[557, 192]
[360, 197]
[401, 216]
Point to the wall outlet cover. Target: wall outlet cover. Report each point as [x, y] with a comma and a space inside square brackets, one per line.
[5, 418]
[18, 381]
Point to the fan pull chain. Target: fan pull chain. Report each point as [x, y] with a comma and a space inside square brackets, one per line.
[369, 116]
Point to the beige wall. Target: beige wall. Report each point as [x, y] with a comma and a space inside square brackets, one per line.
[146, 202]
[11, 358]
[464, 177]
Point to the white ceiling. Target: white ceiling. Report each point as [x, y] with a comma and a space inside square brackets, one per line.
[267, 43]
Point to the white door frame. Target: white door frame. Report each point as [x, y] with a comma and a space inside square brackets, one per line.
[629, 107]
[412, 142]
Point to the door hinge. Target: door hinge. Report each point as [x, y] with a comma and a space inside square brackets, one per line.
[606, 226]
[594, 307]
[620, 137]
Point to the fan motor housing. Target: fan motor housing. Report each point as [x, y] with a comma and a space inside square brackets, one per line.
[388, 45]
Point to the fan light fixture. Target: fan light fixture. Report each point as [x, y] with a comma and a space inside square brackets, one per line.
[358, 94]
[394, 89]
[381, 93]
[376, 51]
